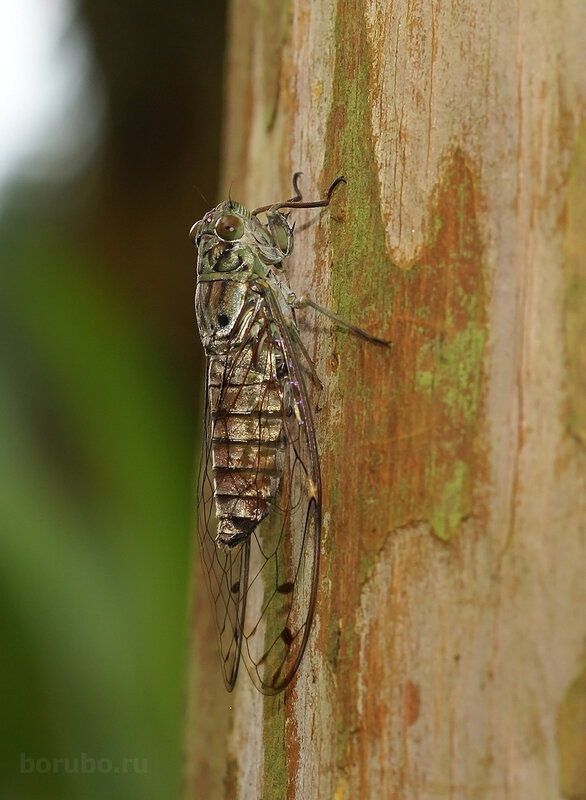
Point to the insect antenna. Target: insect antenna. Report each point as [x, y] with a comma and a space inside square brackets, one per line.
[201, 194]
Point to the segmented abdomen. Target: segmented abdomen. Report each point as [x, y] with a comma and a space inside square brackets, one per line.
[247, 439]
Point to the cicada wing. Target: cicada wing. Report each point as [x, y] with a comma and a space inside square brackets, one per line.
[226, 571]
[262, 589]
[284, 547]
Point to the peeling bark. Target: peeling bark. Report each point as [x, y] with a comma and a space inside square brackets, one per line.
[450, 629]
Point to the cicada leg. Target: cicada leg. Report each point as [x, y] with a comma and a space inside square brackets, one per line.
[304, 302]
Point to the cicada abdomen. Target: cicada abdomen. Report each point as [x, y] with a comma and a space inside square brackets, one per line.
[247, 436]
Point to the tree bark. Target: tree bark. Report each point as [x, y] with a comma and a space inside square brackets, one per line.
[447, 657]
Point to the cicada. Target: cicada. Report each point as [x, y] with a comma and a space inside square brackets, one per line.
[259, 485]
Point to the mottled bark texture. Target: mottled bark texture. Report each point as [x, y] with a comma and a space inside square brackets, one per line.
[448, 652]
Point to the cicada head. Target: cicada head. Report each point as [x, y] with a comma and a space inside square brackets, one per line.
[229, 239]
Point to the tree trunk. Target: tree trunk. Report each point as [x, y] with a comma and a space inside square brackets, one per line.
[447, 657]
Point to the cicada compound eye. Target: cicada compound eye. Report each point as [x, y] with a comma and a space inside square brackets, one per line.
[229, 228]
[194, 231]
[282, 232]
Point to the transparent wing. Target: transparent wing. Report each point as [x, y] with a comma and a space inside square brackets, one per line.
[226, 570]
[263, 590]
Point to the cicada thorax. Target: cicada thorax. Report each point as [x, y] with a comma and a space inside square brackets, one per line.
[246, 387]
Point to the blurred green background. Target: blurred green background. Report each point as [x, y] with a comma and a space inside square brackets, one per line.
[100, 397]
